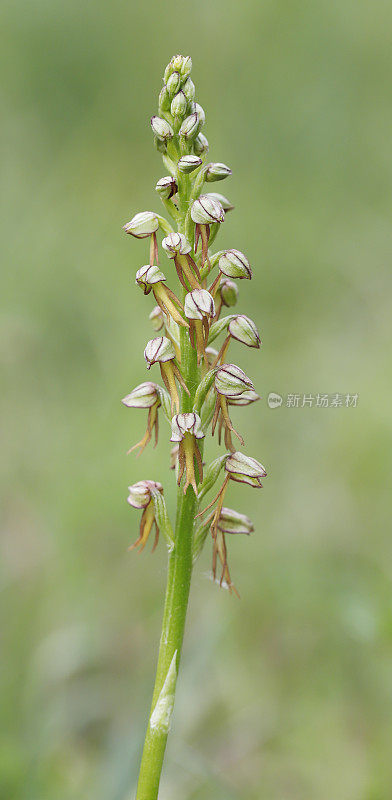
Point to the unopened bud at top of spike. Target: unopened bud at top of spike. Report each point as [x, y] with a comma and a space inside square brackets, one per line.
[164, 100]
[199, 110]
[166, 187]
[142, 225]
[205, 210]
[189, 163]
[232, 381]
[162, 130]
[198, 304]
[234, 264]
[173, 84]
[176, 243]
[244, 330]
[189, 90]
[179, 105]
[159, 350]
[217, 172]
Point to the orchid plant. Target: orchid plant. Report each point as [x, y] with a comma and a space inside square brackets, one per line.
[200, 383]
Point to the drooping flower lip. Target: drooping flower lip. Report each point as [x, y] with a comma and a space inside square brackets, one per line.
[140, 493]
[188, 422]
[206, 210]
[245, 399]
[159, 349]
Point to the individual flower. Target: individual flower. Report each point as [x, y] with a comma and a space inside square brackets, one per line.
[166, 187]
[225, 203]
[186, 429]
[231, 521]
[200, 145]
[243, 330]
[199, 309]
[244, 399]
[189, 90]
[173, 84]
[179, 105]
[216, 172]
[231, 264]
[161, 129]
[228, 291]
[150, 278]
[243, 469]
[204, 212]
[190, 127]
[144, 225]
[230, 383]
[141, 496]
[161, 351]
[146, 395]
[178, 248]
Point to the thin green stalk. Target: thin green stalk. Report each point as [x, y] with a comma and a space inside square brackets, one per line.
[177, 593]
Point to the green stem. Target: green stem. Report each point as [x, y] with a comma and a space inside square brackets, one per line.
[177, 590]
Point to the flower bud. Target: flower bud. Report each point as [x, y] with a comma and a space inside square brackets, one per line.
[162, 130]
[231, 521]
[228, 292]
[173, 84]
[231, 381]
[244, 330]
[179, 105]
[176, 243]
[245, 399]
[166, 187]
[140, 493]
[190, 127]
[185, 67]
[234, 264]
[143, 396]
[200, 145]
[225, 203]
[187, 164]
[186, 423]
[164, 100]
[206, 210]
[199, 110]
[198, 304]
[189, 90]
[159, 350]
[244, 469]
[217, 172]
[146, 276]
[157, 318]
[142, 225]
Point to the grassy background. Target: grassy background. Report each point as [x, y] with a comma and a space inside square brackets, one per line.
[287, 694]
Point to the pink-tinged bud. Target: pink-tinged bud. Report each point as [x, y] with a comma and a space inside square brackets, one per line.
[146, 276]
[205, 210]
[176, 243]
[234, 264]
[231, 521]
[140, 493]
[231, 381]
[142, 225]
[157, 318]
[198, 304]
[143, 396]
[186, 423]
[243, 469]
[159, 350]
[228, 292]
[244, 330]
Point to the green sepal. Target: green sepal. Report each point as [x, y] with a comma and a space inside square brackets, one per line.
[164, 225]
[162, 518]
[219, 326]
[199, 539]
[203, 389]
[165, 402]
[211, 475]
[207, 410]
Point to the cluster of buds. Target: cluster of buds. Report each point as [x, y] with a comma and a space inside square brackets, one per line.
[207, 285]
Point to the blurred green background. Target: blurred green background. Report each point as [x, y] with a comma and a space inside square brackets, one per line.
[287, 693]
